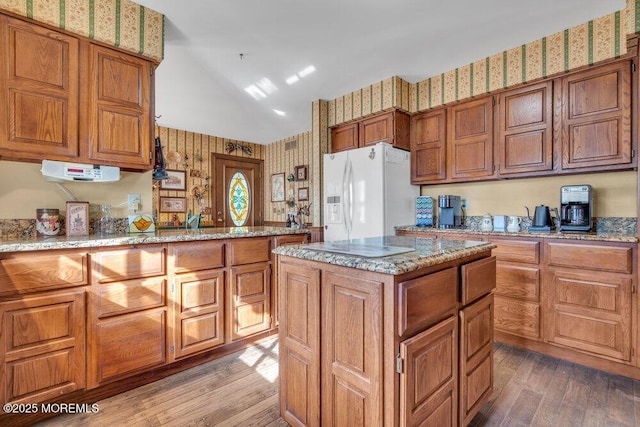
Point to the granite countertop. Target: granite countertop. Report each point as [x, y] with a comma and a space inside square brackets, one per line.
[424, 252]
[160, 236]
[611, 236]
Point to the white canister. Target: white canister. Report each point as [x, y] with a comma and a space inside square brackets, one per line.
[513, 224]
[486, 224]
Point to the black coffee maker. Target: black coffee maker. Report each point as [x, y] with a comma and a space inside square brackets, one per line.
[576, 208]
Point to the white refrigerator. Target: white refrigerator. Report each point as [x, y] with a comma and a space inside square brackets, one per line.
[367, 192]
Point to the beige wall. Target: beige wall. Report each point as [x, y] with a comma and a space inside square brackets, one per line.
[615, 194]
[23, 189]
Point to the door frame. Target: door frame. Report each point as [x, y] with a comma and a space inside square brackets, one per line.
[258, 212]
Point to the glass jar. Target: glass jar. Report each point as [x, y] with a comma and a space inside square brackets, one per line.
[105, 221]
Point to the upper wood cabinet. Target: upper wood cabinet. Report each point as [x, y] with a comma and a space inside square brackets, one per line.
[525, 129]
[64, 98]
[391, 127]
[470, 140]
[38, 92]
[429, 146]
[595, 116]
[121, 108]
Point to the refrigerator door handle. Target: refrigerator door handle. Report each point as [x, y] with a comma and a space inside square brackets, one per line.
[345, 221]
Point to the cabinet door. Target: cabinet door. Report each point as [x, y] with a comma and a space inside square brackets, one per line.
[344, 137]
[517, 300]
[249, 300]
[38, 92]
[120, 109]
[470, 130]
[428, 382]
[290, 239]
[596, 117]
[352, 349]
[198, 312]
[476, 357]
[525, 139]
[428, 147]
[591, 312]
[299, 339]
[42, 347]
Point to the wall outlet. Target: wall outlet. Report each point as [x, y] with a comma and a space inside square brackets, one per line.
[133, 202]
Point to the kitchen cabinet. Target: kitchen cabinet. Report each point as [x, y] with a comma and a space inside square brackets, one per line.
[391, 127]
[285, 240]
[470, 140]
[590, 289]
[595, 118]
[39, 88]
[525, 129]
[347, 336]
[65, 98]
[128, 313]
[429, 147]
[121, 109]
[197, 297]
[249, 291]
[42, 329]
[518, 281]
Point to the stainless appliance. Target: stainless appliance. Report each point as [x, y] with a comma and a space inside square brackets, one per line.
[450, 213]
[576, 208]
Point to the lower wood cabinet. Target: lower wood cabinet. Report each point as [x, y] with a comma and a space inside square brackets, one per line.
[42, 346]
[249, 303]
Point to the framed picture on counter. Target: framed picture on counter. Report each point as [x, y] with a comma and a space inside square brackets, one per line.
[176, 181]
[77, 218]
[173, 204]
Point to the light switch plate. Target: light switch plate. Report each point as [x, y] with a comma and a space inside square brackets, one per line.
[133, 201]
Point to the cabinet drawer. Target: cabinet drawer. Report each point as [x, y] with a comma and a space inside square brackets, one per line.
[197, 255]
[130, 263]
[518, 281]
[425, 300]
[478, 279]
[291, 239]
[517, 251]
[248, 251]
[618, 259]
[39, 271]
[517, 317]
[133, 295]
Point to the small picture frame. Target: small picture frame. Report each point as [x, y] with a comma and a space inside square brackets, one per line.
[277, 187]
[303, 194]
[77, 218]
[301, 173]
[173, 204]
[176, 181]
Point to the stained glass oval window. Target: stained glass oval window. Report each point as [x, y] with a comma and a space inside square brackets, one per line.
[239, 199]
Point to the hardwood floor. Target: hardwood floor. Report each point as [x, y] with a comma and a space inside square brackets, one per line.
[241, 389]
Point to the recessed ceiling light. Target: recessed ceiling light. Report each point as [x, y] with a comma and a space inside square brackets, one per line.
[292, 79]
[280, 113]
[255, 92]
[308, 70]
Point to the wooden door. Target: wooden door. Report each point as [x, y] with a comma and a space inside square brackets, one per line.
[352, 349]
[344, 137]
[596, 117]
[240, 178]
[476, 357]
[429, 147]
[470, 131]
[249, 300]
[525, 139]
[428, 381]
[299, 339]
[38, 92]
[120, 108]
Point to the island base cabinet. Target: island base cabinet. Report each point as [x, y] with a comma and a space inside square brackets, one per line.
[42, 347]
[299, 340]
[476, 357]
[428, 382]
[250, 300]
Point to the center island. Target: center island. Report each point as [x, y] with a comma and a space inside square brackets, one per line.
[385, 331]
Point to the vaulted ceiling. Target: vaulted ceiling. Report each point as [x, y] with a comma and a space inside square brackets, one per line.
[227, 62]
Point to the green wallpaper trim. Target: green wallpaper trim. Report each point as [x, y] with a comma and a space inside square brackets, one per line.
[471, 74]
[457, 94]
[141, 32]
[62, 14]
[590, 41]
[429, 93]
[566, 50]
[637, 15]
[92, 19]
[505, 65]
[30, 9]
[442, 88]
[487, 74]
[617, 31]
[117, 43]
[544, 57]
[524, 63]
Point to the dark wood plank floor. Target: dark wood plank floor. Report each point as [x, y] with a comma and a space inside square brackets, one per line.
[241, 390]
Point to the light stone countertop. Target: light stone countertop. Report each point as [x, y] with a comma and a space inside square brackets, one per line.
[161, 236]
[427, 252]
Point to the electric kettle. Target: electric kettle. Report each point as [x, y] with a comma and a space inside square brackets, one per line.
[541, 218]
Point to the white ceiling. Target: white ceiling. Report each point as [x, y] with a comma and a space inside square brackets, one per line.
[351, 43]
